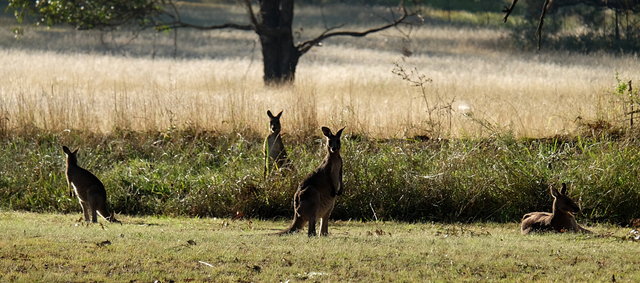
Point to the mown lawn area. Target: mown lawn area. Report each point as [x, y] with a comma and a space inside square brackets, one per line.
[57, 247]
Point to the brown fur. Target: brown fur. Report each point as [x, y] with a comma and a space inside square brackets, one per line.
[88, 188]
[274, 151]
[316, 195]
[561, 219]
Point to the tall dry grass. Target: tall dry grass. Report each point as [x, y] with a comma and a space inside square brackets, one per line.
[60, 79]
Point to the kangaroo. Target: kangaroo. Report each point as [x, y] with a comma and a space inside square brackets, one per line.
[88, 188]
[274, 151]
[316, 195]
[561, 218]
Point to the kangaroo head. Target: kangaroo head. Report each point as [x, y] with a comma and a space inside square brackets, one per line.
[274, 123]
[562, 202]
[333, 141]
[71, 156]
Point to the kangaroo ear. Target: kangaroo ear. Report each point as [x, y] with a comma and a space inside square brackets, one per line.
[269, 114]
[564, 189]
[279, 114]
[339, 133]
[75, 151]
[554, 192]
[66, 149]
[327, 132]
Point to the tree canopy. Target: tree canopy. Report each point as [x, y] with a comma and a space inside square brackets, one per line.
[90, 14]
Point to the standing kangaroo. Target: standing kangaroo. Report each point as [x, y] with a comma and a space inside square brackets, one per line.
[317, 194]
[88, 188]
[561, 218]
[274, 151]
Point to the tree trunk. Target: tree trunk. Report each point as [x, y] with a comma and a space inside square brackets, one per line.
[279, 55]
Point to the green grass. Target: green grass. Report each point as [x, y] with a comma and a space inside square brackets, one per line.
[56, 247]
[204, 174]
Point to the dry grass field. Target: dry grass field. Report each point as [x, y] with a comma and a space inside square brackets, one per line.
[59, 79]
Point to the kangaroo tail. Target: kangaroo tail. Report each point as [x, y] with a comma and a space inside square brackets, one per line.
[113, 219]
[296, 224]
[109, 215]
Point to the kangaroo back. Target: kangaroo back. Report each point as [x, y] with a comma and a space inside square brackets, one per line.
[88, 188]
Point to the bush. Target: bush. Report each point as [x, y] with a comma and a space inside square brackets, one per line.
[204, 175]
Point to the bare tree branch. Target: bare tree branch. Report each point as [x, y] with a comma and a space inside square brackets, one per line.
[508, 10]
[307, 45]
[252, 15]
[545, 8]
[179, 24]
[176, 21]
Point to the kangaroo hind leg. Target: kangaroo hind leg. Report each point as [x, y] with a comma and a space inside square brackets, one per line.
[85, 210]
[324, 228]
[312, 226]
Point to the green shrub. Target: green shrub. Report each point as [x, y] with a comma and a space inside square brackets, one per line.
[204, 175]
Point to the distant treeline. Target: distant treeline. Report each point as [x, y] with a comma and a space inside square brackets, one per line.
[466, 5]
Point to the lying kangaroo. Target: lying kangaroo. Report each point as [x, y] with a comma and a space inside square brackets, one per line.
[560, 220]
[317, 194]
[88, 188]
[274, 151]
